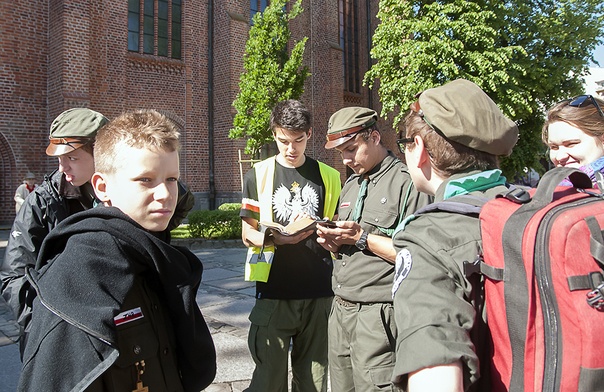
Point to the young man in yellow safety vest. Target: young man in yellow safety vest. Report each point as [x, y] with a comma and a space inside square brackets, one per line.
[293, 276]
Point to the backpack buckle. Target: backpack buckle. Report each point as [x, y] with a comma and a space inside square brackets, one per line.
[595, 298]
[470, 269]
[517, 195]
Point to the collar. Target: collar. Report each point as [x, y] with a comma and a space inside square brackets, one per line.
[467, 182]
[381, 168]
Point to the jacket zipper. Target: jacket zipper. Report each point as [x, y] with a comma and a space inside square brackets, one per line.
[549, 306]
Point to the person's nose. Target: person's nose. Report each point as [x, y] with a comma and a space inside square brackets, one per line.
[560, 156]
[162, 191]
[291, 148]
[63, 164]
[346, 159]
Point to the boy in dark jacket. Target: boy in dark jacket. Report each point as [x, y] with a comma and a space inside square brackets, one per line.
[63, 193]
[115, 303]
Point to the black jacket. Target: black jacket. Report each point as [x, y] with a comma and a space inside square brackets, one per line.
[101, 269]
[49, 204]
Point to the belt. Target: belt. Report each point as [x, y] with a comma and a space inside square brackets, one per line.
[343, 302]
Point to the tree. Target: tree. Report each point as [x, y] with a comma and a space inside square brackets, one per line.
[270, 76]
[526, 54]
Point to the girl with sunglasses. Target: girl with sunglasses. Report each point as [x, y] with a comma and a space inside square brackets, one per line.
[574, 132]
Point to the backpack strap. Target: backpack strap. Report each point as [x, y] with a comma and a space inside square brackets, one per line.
[471, 205]
[594, 281]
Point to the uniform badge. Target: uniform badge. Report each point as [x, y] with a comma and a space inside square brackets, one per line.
[402, 267]
[128, 316]
[345, 204]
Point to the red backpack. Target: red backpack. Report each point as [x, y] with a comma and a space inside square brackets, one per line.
[542, 263]
[545, 298]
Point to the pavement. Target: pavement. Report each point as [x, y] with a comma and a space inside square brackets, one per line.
[225, 300]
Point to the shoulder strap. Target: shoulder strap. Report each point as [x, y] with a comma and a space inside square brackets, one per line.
[463, 204]
[265, 173]
[466, 205]
[331, 180]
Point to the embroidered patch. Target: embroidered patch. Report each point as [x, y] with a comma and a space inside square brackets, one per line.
[345, 204]
[402, 267]
[128, 316]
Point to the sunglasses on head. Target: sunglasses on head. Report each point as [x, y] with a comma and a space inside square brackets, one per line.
[585, 100]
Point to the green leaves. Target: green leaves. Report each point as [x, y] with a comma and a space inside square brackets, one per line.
[271, 74]
[526, 54]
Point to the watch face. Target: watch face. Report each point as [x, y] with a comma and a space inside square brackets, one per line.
[362, 242]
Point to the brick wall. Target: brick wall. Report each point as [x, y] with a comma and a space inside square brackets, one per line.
[59, 54]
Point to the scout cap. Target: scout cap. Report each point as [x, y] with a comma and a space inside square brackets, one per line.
[462, 112]
[347, 122]
[72, 129]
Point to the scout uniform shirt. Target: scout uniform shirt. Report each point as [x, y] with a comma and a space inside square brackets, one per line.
[361, 276]
[433, 309]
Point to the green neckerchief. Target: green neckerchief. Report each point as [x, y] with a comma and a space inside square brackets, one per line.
[462, 186]
[476, 182]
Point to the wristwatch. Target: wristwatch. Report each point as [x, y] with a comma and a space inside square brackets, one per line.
[362, 242]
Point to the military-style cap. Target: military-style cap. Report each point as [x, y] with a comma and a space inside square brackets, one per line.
[29, 176]
[462, 112]
[72, 129]
[347, 122]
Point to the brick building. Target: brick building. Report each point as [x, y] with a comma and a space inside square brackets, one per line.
[182, 57]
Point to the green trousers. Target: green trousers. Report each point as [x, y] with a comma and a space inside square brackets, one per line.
[362, 340]
[275, 325]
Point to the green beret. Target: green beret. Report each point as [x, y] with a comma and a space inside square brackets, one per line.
[72, 129]
[462, 112]
[347, 122]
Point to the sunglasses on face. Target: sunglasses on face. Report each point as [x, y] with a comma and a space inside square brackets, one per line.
[402, 143]
[585, 100]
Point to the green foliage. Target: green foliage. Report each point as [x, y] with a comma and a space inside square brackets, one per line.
[181, 231]
[526, 54]
[215, 224]
[270, 76]
[230, 207]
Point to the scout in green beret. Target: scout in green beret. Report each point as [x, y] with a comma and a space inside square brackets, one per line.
[454, 135]
[62, 193]
[373, 201]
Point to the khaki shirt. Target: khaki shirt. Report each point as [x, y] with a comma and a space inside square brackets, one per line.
[434, 310]
[361, 276]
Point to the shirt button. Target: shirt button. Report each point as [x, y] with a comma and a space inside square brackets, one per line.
[376, 219]
[339, 286]
[343, 263]
[166, 351]
[137, 349]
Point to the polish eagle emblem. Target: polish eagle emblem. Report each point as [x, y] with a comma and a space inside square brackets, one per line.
[288, 203]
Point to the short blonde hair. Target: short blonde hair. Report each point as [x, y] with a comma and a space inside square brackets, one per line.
[145, 128]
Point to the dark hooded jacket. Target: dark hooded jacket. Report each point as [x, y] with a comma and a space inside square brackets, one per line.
[49, 204]
[114, 300]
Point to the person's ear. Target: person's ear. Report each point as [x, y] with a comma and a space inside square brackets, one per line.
[100, 188]
[423, 156]
[375, 137]
[309, 132]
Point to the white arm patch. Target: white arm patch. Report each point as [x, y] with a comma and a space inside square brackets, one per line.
[402, 267]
